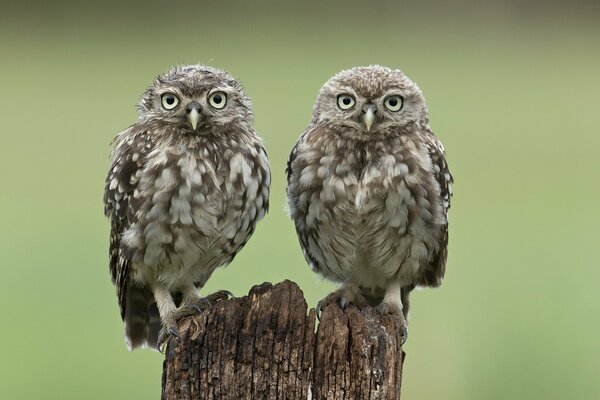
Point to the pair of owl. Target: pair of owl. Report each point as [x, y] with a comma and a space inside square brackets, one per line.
[368, 189]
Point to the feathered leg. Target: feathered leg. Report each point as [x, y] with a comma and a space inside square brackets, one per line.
[392, 304]
[167, 310]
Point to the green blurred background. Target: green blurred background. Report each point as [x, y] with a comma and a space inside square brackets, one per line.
[512, 88]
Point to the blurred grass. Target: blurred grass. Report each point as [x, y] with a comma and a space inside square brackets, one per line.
[513, 94]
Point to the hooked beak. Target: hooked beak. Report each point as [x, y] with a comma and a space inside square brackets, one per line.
[369, 111]
[193, 113]
[194, 117]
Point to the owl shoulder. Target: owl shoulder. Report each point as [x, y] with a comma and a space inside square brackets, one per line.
[308, 149]
[130, 151]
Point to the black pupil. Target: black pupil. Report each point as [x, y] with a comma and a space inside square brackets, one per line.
[393, 102]
[217, 99]
[346, 101]
[170, 100]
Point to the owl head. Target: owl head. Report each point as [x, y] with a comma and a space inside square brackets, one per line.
[197, 99]
[366, 102]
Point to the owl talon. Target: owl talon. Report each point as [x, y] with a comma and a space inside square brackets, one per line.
[194, 307]
[219, 296]
[330, 298]
[344, 297]
[202, 304]
[165, 335]
[344, 303]
[319, 310]
[187, 310]
[403, 333]
[395, 311]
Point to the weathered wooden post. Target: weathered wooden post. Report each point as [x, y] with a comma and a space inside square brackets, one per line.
[264, 346]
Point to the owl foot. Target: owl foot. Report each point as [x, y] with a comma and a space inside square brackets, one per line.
[187, 310]
[200, 304]
[166, 333]
[344, 297]
[395, 310]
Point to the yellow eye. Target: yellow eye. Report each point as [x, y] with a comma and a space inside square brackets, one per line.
[393, 103]
[345, 101]
[169, 101]
[218, 99]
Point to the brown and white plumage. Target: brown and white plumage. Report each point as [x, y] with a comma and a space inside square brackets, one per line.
[187, 185]
[369, 189]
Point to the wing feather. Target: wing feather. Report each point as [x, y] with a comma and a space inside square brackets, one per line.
[298, 209]
[435, 273]
[130, 151]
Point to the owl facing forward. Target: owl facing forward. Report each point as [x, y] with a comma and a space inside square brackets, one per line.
[369, 190]
[187, 185]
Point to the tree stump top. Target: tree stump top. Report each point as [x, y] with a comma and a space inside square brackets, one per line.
[264, 346]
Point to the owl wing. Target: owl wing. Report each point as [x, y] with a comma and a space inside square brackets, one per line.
[291, 158]
[293, 198]
[298, 208]
[434, 274]
[128, 158]
[255, 206]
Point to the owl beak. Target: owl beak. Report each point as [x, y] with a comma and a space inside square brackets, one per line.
[194, 117]
[369, 111]
[193, 114]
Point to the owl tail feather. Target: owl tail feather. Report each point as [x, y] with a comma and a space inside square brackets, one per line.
[142, 320]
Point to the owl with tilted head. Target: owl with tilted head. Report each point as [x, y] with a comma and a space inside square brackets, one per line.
[369, 191]
[189, 181]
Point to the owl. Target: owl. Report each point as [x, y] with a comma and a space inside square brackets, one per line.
[189, 181]
[369, 190]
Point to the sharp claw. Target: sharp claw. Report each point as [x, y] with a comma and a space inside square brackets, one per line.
[203, 304]
[189, 310]
[344, 302]
[220, 295]
[319, 310]
[162, 345]
[164, 336]
[173, 331]
[195, 307]
[403, 333]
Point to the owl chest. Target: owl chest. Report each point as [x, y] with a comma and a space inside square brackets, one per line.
[359, 189]
[190, 188]
[188, 202]
[365, 201]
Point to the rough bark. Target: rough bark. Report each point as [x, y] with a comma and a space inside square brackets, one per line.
[264, 346]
